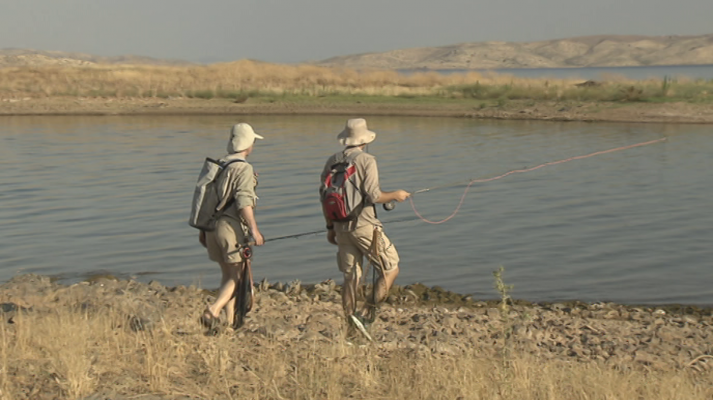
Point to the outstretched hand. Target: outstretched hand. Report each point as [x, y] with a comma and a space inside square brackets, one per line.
[401, 195]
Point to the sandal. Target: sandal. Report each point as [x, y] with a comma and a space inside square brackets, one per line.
[208, 320]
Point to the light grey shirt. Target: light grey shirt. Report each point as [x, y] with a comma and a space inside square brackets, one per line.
[238, 182]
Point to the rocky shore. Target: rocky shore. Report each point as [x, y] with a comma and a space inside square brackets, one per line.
[415, 317]
[108, 338]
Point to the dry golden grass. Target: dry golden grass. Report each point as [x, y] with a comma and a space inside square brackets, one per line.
[213, 80]
[251, 79]
[71, 353]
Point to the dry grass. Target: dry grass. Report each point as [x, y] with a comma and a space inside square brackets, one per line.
[217, 80]
[72, 354]
[243, 79]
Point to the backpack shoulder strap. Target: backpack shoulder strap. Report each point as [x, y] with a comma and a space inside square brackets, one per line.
[225, 203]
[341, 157]
[352, 156]
[225, 164]
[350, 159]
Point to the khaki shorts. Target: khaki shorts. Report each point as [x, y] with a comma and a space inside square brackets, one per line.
[223, 242]
[355, 245]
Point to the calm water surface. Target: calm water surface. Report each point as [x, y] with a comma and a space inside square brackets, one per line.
[86, 195]
[693, 72]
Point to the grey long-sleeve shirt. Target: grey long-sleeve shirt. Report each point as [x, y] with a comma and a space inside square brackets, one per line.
[237, 181]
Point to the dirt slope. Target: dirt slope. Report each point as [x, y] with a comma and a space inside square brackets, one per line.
[588, 51]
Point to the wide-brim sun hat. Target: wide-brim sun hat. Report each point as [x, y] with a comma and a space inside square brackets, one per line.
[356, 133]
[242, 136]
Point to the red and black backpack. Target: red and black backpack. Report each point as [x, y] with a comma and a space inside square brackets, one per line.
[340, 191]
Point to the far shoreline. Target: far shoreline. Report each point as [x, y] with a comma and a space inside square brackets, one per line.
[522, 110]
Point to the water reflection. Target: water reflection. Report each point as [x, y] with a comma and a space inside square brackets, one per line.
[83, 195]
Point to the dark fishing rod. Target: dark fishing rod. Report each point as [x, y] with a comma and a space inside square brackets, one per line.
[295, 236]
[299, 235]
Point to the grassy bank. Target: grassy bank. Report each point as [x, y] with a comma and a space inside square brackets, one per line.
[73, 354]
[126, 339]
[261, 82]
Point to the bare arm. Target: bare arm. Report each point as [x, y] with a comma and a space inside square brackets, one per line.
[331, 234]
[372, 188]
[249, 217]
[397, 195]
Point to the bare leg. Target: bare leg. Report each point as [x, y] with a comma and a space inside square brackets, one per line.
[383, 285]
[349, 289]
[232, 304]
[227, 291]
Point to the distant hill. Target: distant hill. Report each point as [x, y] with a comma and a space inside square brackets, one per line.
[586, 51]
[29, 57]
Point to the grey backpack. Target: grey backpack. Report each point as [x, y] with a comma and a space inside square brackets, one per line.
[206, 206]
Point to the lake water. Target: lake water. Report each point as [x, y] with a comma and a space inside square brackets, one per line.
[87, 195]
[693, 72]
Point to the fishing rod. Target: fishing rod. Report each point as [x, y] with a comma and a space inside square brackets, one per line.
[526, 169]
[523, 170]
[391, 205]
[295, 236]
[299, 235]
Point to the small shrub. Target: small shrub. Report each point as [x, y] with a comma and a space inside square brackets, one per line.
[202, 94]
[665, 84]
[632, 94]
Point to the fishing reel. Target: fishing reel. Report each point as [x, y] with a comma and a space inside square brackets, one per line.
[246, 250]
[389, 206]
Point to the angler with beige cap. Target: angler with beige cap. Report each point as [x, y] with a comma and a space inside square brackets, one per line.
[349, 191]
[232, 222]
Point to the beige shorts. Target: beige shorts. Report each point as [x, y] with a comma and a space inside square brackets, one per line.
[355, 245]
[223, 242]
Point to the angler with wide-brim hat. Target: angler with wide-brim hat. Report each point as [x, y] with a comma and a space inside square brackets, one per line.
[356, 133]
[349, 191]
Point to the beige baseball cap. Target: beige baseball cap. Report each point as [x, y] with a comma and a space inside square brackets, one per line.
[242, 136]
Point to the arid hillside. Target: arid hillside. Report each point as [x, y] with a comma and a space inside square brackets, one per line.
[587, 51]
[37, 58]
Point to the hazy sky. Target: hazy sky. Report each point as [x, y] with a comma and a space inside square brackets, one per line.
[303, 30]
